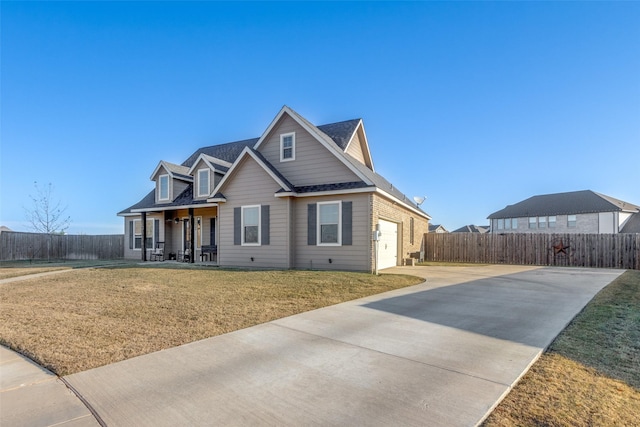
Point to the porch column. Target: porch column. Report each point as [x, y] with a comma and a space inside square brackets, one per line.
[143, 244]
[192, 245]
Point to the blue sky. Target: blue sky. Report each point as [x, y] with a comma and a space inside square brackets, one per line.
[474, 104]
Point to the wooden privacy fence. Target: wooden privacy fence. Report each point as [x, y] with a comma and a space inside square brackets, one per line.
[574, 250]
[37, 246]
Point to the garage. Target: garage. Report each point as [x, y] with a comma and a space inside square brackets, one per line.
[388, 246]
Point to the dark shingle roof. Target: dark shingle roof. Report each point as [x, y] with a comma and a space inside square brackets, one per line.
[331, 187]
[632, 225]
[575, 202]
[149, 201]
[228, 152]
[340, 132]
[472, 229]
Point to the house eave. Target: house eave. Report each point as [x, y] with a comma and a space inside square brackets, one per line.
[325, 193]
[402, 203]
[173, 208]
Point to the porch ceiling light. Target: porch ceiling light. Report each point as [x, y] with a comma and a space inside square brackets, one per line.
[177, 220]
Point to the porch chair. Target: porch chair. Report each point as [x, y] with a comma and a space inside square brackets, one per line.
[158, 253]
[184, 256]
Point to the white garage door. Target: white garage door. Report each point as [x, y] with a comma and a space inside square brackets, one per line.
[388, 246]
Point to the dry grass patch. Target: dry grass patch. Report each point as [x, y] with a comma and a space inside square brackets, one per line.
[8, 273]
[88, 318]
[590, 376]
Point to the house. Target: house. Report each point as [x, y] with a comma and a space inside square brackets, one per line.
[573, 212]
[299, 196]
[472, 229]
[437, 228]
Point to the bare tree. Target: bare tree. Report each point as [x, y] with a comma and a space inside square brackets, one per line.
[46, 214]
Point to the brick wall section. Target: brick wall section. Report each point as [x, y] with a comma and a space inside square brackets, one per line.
[382, 208]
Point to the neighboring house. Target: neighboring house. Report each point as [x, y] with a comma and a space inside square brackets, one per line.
[472, 229]
[4, 228]
[299, 196]
[572, 212]
[632, 225]
[437, 228]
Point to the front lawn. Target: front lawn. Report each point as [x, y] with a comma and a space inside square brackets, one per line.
[88, 318]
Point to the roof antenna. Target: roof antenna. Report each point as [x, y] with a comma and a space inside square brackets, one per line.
[419, 200]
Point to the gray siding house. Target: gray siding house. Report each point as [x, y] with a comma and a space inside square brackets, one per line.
[572, 212]
[299, 196]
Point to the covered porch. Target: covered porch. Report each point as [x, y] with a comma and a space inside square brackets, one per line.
[181, 235]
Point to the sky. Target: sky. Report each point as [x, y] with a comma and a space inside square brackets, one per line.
[475, 105]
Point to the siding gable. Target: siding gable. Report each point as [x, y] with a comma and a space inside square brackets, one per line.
[314, 164]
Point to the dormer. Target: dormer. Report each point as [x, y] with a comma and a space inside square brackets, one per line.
[171, 180]
[207, 171]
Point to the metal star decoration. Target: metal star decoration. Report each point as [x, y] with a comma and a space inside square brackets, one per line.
[560, 248]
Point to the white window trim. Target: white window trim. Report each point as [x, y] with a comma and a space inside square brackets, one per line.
[153, 234]
[160, 198]
[208, 171]
[575, 221]
[242, 242]
[293, 146]
[318, 230]
[552, 222]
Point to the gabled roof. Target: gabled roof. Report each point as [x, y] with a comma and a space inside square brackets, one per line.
[434, 227]
[575, 202]
[212, 162]
[336, 137]
[472, 229]
[174, 171]
[342, 132]
[632, 225]
[228, 152]
[260, 160]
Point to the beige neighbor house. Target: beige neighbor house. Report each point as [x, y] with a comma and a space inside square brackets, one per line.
[298, 197]
[573, 212]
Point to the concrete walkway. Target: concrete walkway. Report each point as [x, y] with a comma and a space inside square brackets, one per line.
[32, 396]
[442, 353]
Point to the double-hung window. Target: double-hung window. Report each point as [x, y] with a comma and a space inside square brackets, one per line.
[532, 222]
[251, 225]
[552, 222]
[203, 182]
[542, 222]
[571, 221]
[163, 187]
[514, 223]
[500, 223]
[137, 234]
[329, 223]
[287, 147]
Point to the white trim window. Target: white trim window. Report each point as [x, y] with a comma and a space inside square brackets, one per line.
[329, 230]
[500, 223]
[163, 187]
[533, 223]
[514, 223]
[137, 234]
[542, 222]
[552, 221]
[203, 182]
[250, 225]
[287, 147]
[572, 221]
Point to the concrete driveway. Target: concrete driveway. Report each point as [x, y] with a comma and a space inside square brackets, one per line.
[441, 353]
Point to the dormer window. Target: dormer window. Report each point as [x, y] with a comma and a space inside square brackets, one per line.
[287, 147]
[203, 182]
[163, 187]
